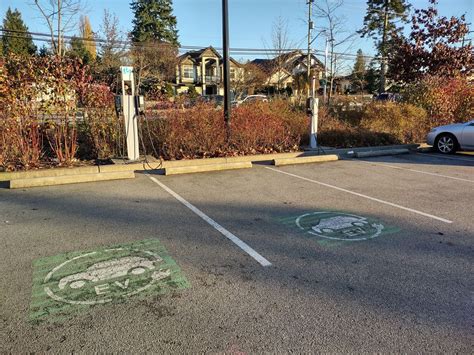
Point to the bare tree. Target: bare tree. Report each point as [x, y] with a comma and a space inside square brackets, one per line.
[154, 61]
[281, 44]
[60, 17]
[339, 38]
[278, 50]
[249, 79]
[113, 47]
[111, 51]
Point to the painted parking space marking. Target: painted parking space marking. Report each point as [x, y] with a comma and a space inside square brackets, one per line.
[241, 244]
[445, 157]
[363, 196]
[67, 283]
[414, 170]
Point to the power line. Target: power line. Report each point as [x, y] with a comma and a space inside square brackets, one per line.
[45, 37]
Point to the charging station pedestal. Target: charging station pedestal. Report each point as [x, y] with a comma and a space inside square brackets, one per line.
[313, 137]
[129, 112]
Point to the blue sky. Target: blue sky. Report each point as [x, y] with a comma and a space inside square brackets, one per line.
[199, 21]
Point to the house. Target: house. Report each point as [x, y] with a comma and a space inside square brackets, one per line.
[203, 69]
[343, 84]
[285, 70]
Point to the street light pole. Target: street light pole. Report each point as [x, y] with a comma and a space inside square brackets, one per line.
[225, 46]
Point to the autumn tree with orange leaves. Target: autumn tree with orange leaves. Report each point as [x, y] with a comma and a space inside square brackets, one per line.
[434, 47]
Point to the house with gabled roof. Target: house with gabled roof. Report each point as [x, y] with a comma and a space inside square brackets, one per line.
[203, 69]
[283, 70]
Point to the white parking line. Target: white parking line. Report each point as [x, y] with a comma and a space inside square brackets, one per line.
[242, 245]
[445, 157]
[414, 170]
[364, 196]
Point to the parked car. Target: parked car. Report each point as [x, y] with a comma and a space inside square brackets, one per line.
[387, 96]
[251, 99]
[450, 138]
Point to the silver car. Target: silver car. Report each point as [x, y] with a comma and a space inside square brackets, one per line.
[447, 139]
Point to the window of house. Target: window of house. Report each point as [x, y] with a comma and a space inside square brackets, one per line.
[188, 72]
[232, 73]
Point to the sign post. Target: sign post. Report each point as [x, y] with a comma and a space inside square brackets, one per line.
[129, 112]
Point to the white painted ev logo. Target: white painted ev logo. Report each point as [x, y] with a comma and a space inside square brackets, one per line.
[101, 276]
[339, 226]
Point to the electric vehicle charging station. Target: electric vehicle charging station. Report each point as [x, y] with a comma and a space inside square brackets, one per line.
[312, 105]
[129, 107]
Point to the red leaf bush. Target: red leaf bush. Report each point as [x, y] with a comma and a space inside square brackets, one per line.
[200, 131]
[446, 100]
[100, 129]
[40, 98]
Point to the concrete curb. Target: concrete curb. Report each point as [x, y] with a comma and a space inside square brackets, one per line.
[305, 160]
[379, 153]
[349, 152]
[31, 174]
[60, 172]
[205, 168]
[69, 179]
[7, 176]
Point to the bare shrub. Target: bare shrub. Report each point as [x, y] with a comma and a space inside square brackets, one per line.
[407, 123]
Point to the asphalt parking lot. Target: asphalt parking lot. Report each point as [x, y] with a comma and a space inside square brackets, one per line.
[351, 256]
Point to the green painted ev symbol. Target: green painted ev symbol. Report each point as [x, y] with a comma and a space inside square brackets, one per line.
[66, 283]
[99, 277]
[339, 226]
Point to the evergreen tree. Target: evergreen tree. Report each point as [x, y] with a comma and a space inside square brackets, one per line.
[16, 41]
[77, 49]
[372, 78]
[154, 21]
[379, 23]
[86, 33]
[358, 72]
[375, 18]
[44, 51]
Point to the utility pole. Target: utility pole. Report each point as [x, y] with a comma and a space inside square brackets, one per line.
[225, 48]
[332, 64]
[325, 71]
[310, 29]
[383, 69]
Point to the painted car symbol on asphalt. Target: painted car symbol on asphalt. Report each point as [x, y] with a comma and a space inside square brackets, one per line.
[333, 224]
[339, 226]
[112, 269]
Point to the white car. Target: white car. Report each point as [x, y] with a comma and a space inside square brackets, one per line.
[251, 99]
[447, 139]
[112, 269]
